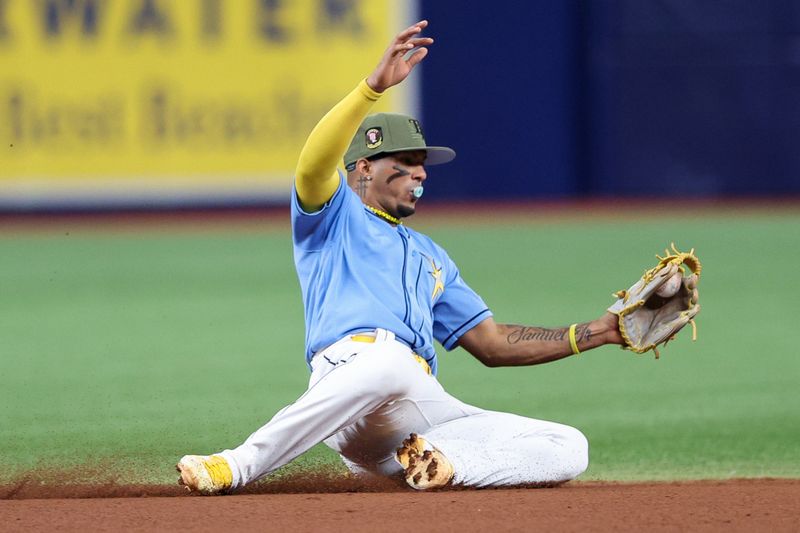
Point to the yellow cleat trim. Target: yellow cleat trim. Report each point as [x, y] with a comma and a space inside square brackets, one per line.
[219, 470]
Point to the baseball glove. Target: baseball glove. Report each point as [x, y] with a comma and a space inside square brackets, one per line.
[661, 303]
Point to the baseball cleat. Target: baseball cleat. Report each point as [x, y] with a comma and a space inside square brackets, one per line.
[425, 467]
[206, 474]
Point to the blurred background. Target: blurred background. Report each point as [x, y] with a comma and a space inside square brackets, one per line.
[619, 97]
[108, 104]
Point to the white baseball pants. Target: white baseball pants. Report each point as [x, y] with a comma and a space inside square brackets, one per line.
[364, 398]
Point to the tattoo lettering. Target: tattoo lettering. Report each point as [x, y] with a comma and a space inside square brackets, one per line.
[399, 174]
[526, 334]
[361, 188]
[582, 332]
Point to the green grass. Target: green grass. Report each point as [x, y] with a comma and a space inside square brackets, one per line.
[132, 348]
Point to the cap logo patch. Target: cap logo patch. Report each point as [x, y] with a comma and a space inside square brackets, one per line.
[374, 137]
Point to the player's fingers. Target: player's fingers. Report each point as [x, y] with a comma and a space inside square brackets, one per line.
[401, 48]
[416, 57]
[411, 43]
[410, 31]
[421, 41]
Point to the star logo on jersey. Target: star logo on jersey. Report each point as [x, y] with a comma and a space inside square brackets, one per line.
[438, 284]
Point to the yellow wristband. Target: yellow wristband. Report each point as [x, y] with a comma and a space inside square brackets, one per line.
[572, 342]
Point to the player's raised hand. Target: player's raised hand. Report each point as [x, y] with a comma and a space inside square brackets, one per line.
[394, 66]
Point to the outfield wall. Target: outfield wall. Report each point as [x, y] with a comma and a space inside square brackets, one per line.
[616, 97]
[160, 103]
[154, 102]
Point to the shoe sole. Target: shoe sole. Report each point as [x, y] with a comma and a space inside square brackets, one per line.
[423, 469]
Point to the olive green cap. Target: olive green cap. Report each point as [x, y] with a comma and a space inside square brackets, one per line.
[388, 133]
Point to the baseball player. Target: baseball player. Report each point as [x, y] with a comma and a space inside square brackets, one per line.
[376, 294]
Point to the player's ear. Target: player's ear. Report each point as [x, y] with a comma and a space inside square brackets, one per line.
[361, 173]
[363, 167]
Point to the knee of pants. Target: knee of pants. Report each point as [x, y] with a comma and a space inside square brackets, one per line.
[579, 453]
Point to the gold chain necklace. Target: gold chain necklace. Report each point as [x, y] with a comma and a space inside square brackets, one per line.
[384, 215]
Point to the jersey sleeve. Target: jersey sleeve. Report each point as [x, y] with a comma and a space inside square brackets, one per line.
[458, 310]
[311, 230]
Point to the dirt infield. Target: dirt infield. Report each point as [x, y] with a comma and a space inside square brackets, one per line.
[736, 505]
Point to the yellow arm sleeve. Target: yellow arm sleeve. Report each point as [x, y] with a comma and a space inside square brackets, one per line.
[316, 178]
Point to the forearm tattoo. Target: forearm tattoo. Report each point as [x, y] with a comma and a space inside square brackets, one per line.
[582, 332]
[528, 334]
[399, 174]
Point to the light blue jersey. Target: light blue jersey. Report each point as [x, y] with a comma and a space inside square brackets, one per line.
[357, 273]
